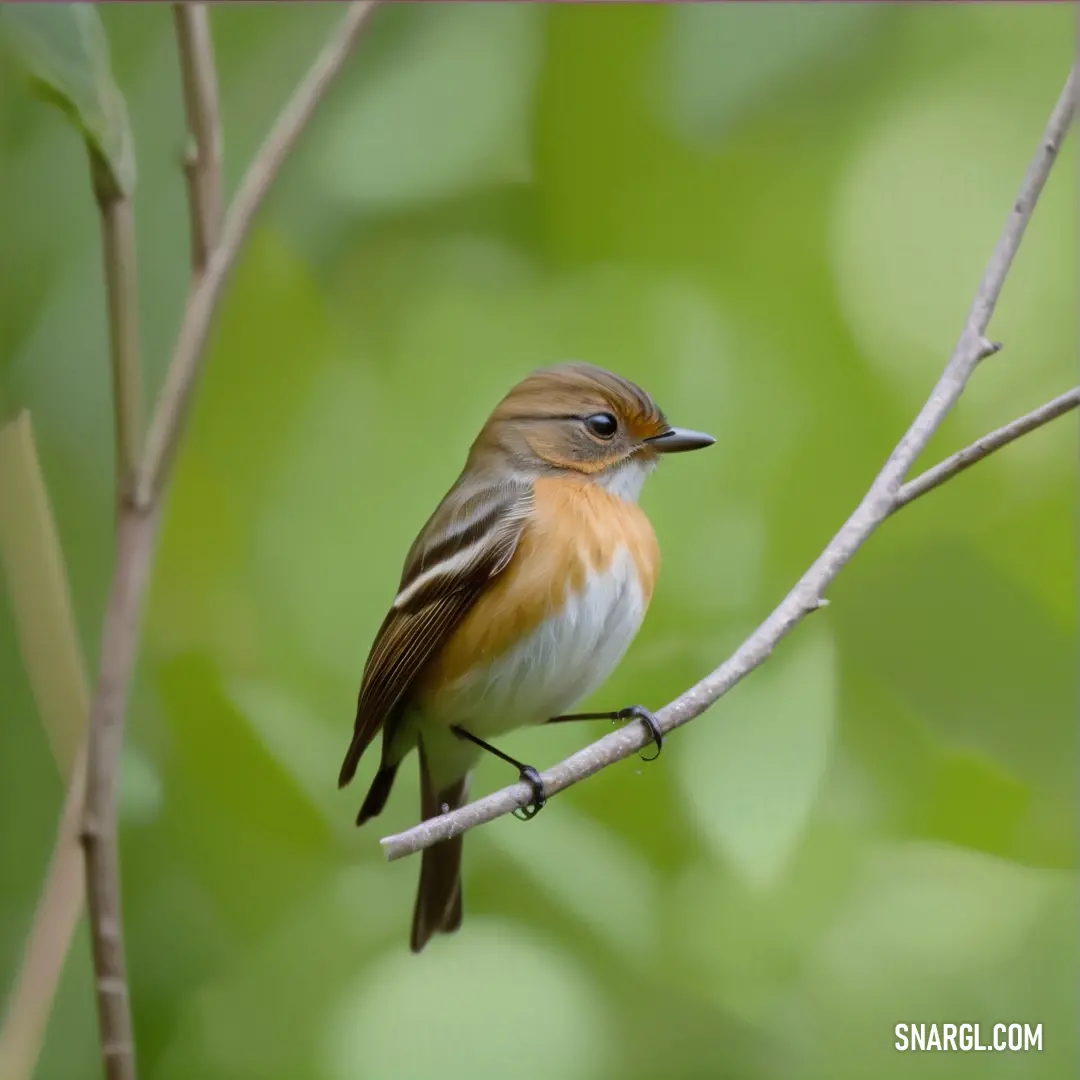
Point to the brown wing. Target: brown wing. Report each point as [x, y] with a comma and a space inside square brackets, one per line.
[468, 541]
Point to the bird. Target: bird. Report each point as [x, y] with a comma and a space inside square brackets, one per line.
[517, 600]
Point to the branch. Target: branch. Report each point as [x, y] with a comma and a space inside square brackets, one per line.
[135, 537]
[984, 447]
[166, 425]
[135, 544]
[202, 158]
[122, 291]
[807, 595]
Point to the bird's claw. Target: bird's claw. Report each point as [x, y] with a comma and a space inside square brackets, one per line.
[531, 777]
[639, 712]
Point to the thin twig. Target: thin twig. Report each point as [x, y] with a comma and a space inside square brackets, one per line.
[984, 447]
[166, 425]
[135, 545]
[807, 595]
[202, 157]
[135, 538]
[122, 292]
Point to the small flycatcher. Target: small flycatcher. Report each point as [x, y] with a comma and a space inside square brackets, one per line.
[518, 598]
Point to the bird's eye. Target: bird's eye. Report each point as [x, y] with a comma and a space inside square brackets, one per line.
[603, 425]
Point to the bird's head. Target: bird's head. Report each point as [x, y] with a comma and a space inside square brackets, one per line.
[581, 419]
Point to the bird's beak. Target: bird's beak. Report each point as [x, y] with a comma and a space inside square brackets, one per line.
[676, 440]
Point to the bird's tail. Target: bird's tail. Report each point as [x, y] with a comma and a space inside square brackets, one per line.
[438, 898]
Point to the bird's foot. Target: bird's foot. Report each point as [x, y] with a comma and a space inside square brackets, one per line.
[530, 776]
[639, 712]
[526, 773]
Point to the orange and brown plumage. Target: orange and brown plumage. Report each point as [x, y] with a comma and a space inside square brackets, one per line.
[517, 599]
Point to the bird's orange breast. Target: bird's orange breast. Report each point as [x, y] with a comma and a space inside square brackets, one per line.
[576, 529]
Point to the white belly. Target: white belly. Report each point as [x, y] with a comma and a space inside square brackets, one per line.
[556, 666]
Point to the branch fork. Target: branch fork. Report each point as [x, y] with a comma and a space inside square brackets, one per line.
[143, 469]
[215, 247]
[887, 494]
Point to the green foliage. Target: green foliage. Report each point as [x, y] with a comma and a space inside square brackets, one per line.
[775, 220]
[62, 53]
[753, 780]
[404, 139]
[766, 50]
[65, 53]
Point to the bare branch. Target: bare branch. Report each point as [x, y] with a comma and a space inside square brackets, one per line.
[878, 503]
[984, 447]
[122, 290]
[166, 425]
[134, 549]
[135, 545]
[202, 159]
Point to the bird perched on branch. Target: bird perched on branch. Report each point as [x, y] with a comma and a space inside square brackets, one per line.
[518, 598]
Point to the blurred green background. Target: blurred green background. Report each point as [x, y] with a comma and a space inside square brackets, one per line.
[774, 218]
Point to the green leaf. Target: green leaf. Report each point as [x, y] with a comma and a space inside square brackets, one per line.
[557, 1020]
[9, 408]
[754, 772]
[724, 60]
[969, 652]
[399, 141]
[603, 881]
[918, 909]
[302, 746]
[141, 790]
[65, 53]
[913, 189]
[933, 931]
